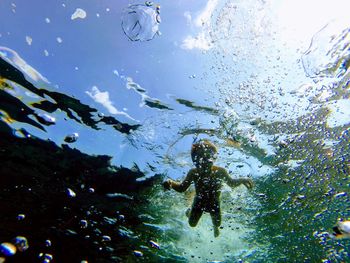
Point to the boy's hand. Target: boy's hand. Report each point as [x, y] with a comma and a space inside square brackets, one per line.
[167, 184]
[247, 182]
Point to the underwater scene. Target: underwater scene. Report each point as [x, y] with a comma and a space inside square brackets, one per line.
[175, 131]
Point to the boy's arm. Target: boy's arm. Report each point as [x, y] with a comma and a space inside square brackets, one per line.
[177, 186]
[235, 182]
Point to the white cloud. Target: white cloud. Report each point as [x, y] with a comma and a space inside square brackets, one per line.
[204, 17]
[102, 97]
[203, 40]
[188, 17]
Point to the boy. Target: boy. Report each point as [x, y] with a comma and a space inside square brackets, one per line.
[207, 180]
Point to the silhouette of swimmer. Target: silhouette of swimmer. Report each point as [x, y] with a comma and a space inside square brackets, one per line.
[207, 179]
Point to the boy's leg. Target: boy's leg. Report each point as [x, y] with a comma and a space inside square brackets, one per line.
[195, 215]
[216, 219]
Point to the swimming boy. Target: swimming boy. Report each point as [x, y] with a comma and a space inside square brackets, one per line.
[207, 179]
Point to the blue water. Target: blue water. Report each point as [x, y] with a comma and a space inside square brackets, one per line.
[266, 81]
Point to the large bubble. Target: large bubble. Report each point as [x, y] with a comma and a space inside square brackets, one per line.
[140, 22]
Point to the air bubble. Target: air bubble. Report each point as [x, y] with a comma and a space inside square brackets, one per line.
[79, 13]
[71, 193]
[154, 244]
[7, 249]
[341, 194]
[106, 238]
[71, 137]
[47, 258]
[140, 22]
[138, 253]
[48, 243]
[46, 119]
[20, 217]
[21, 243]
[83, 223]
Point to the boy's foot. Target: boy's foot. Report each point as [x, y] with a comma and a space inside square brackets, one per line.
[216, 232]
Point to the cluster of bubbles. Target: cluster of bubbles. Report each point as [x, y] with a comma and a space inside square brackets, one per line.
[9, 249]
[45, 257]
[153, 244]
[89, 224]
[20, 244]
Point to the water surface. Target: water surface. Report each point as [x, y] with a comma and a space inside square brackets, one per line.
[100, 102]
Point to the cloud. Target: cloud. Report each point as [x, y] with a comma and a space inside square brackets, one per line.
[188, 17]
[102, 97]
[204, 17]
[202, 40]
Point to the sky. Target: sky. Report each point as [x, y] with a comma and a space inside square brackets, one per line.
[205, 52]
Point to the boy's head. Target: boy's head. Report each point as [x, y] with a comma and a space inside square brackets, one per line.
[203, 152]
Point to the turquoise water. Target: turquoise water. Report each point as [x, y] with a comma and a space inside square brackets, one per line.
[101, 101]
